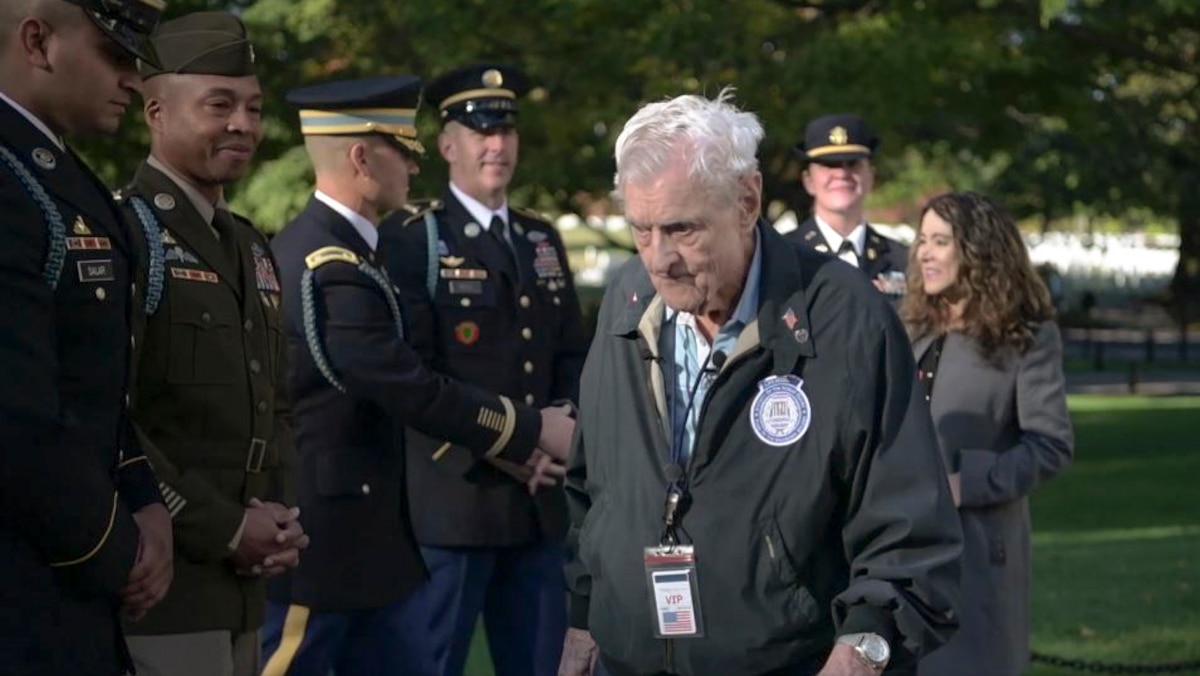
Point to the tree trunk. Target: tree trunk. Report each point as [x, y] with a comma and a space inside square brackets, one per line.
[1185, 286]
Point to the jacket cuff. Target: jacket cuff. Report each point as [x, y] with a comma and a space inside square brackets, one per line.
[137, 484]
[869, 619]
[579, 612]
[525, 436]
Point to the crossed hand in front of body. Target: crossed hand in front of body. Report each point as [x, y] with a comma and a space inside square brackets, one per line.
[271, 539]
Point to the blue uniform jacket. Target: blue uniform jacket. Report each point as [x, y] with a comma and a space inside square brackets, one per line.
[355, 384]
[71, 472]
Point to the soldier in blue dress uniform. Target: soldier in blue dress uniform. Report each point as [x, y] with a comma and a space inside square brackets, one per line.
[493, 304]
[355, 384]
[83, 531]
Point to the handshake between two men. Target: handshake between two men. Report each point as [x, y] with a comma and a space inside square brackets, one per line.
[546, 466]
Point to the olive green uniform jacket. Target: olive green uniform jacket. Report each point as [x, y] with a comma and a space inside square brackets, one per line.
[210, 400]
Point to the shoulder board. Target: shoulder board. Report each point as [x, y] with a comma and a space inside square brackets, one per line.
[415, 211]
[530, 214]
[330, 254]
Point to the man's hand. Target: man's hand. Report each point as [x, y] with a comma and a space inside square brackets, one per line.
[545, 471]
[151, 575]
[271, 539]
[557, 429]
[844, 662]
[579, 654]
[956, 488]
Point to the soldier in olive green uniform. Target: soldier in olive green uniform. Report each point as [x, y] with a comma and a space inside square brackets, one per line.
[210, 399]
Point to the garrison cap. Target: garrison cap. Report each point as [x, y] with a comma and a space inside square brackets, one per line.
[385, 105]
[127, 22]
[201, 43]
[837, 138]
[481, 96]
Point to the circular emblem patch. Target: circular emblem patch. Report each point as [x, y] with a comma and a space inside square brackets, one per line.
[164, 201]
[492, 78]
[471, 230]
[466, 333]
[780, 413]
[44, 158]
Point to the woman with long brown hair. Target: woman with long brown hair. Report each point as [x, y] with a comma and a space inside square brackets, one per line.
[989, 357]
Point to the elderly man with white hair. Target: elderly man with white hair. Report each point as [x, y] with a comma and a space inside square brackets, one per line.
[755, 487]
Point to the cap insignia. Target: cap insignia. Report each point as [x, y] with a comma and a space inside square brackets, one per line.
[838, 136]
[492, 78]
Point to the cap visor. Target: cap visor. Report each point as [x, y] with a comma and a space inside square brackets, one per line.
[131, 41]
[835, 158]
[486, 120]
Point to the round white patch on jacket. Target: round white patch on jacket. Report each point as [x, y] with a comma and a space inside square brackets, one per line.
[780, 413]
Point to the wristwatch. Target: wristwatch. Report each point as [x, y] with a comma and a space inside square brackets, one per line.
[871, 649]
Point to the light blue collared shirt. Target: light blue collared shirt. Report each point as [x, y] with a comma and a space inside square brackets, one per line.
[686, 349]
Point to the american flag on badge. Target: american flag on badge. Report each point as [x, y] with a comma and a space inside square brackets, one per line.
[678, 622]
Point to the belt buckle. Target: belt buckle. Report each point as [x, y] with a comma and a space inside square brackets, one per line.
[256, 455]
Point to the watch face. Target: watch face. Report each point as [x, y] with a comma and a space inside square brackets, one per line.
[875, 649]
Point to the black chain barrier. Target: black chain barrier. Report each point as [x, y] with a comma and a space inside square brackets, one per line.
[1191, 667]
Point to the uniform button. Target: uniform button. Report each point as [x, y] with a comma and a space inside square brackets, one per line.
[366, 489]
[527, 333]
[205, 318]
[525, 302]
[529, 367]
[552, 286]
[557, 301]
[126, 401]
[255, 366]
[133, 288]
[101, 293]
[529, 400]
[133, 342]
[262, 407]
[248, 325]
[466, 302]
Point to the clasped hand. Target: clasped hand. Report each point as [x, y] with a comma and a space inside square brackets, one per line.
[271, 539]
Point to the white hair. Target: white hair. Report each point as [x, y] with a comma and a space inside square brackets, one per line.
[718, 141]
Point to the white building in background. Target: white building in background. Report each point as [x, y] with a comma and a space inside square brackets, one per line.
[1133, 263]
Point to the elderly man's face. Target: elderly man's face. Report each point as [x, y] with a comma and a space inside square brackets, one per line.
[694, 245]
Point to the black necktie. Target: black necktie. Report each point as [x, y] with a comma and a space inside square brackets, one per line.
[497, 230]
[847, 247]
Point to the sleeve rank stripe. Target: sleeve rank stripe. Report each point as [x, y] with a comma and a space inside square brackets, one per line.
[177, 506]
[112, 518]
[506, 433]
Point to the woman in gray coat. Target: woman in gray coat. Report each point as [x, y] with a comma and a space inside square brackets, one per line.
[990, 358]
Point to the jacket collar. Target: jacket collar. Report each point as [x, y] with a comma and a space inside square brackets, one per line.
[781, 325]
[186, 222]
[61, 173]
[337, 226]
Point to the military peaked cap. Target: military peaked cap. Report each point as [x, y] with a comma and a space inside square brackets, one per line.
[384, 105]
[837, 138]
[481, 96]
[127, 22]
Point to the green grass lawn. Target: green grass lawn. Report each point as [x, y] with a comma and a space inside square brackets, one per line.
[1116, 538]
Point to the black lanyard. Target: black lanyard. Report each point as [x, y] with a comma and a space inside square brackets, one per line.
[677, 478]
